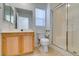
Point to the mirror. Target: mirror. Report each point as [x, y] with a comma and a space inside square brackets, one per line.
[24, 19]
[8, 14]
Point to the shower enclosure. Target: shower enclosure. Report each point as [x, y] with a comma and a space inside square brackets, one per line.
[66, 27]
[73, 28]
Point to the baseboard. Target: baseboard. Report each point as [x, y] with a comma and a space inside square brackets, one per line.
[64, 52]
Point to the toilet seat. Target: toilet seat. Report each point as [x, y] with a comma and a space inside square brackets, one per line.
[44, 41]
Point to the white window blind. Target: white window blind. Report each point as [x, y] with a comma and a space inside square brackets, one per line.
[40, 17]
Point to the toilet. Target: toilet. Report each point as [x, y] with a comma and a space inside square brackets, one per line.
[44, 43]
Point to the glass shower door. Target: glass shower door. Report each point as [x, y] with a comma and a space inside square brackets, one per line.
[59, 26]
[73, 28]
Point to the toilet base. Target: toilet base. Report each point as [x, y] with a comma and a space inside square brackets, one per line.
[45, 48]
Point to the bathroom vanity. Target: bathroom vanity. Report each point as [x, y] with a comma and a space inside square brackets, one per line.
[17, 43]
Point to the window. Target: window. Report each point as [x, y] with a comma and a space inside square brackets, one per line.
[40, 17]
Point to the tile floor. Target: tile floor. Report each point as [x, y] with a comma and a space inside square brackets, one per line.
[51, 52]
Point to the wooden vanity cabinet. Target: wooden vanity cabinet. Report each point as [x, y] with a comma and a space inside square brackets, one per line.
[17, 43]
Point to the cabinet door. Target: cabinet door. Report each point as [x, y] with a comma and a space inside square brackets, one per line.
[28, 44]
[11, 46]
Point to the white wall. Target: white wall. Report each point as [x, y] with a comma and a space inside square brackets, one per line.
[48, 17]
[49, 21]
[27, 6]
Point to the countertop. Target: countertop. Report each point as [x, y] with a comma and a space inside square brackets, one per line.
[16, 31]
